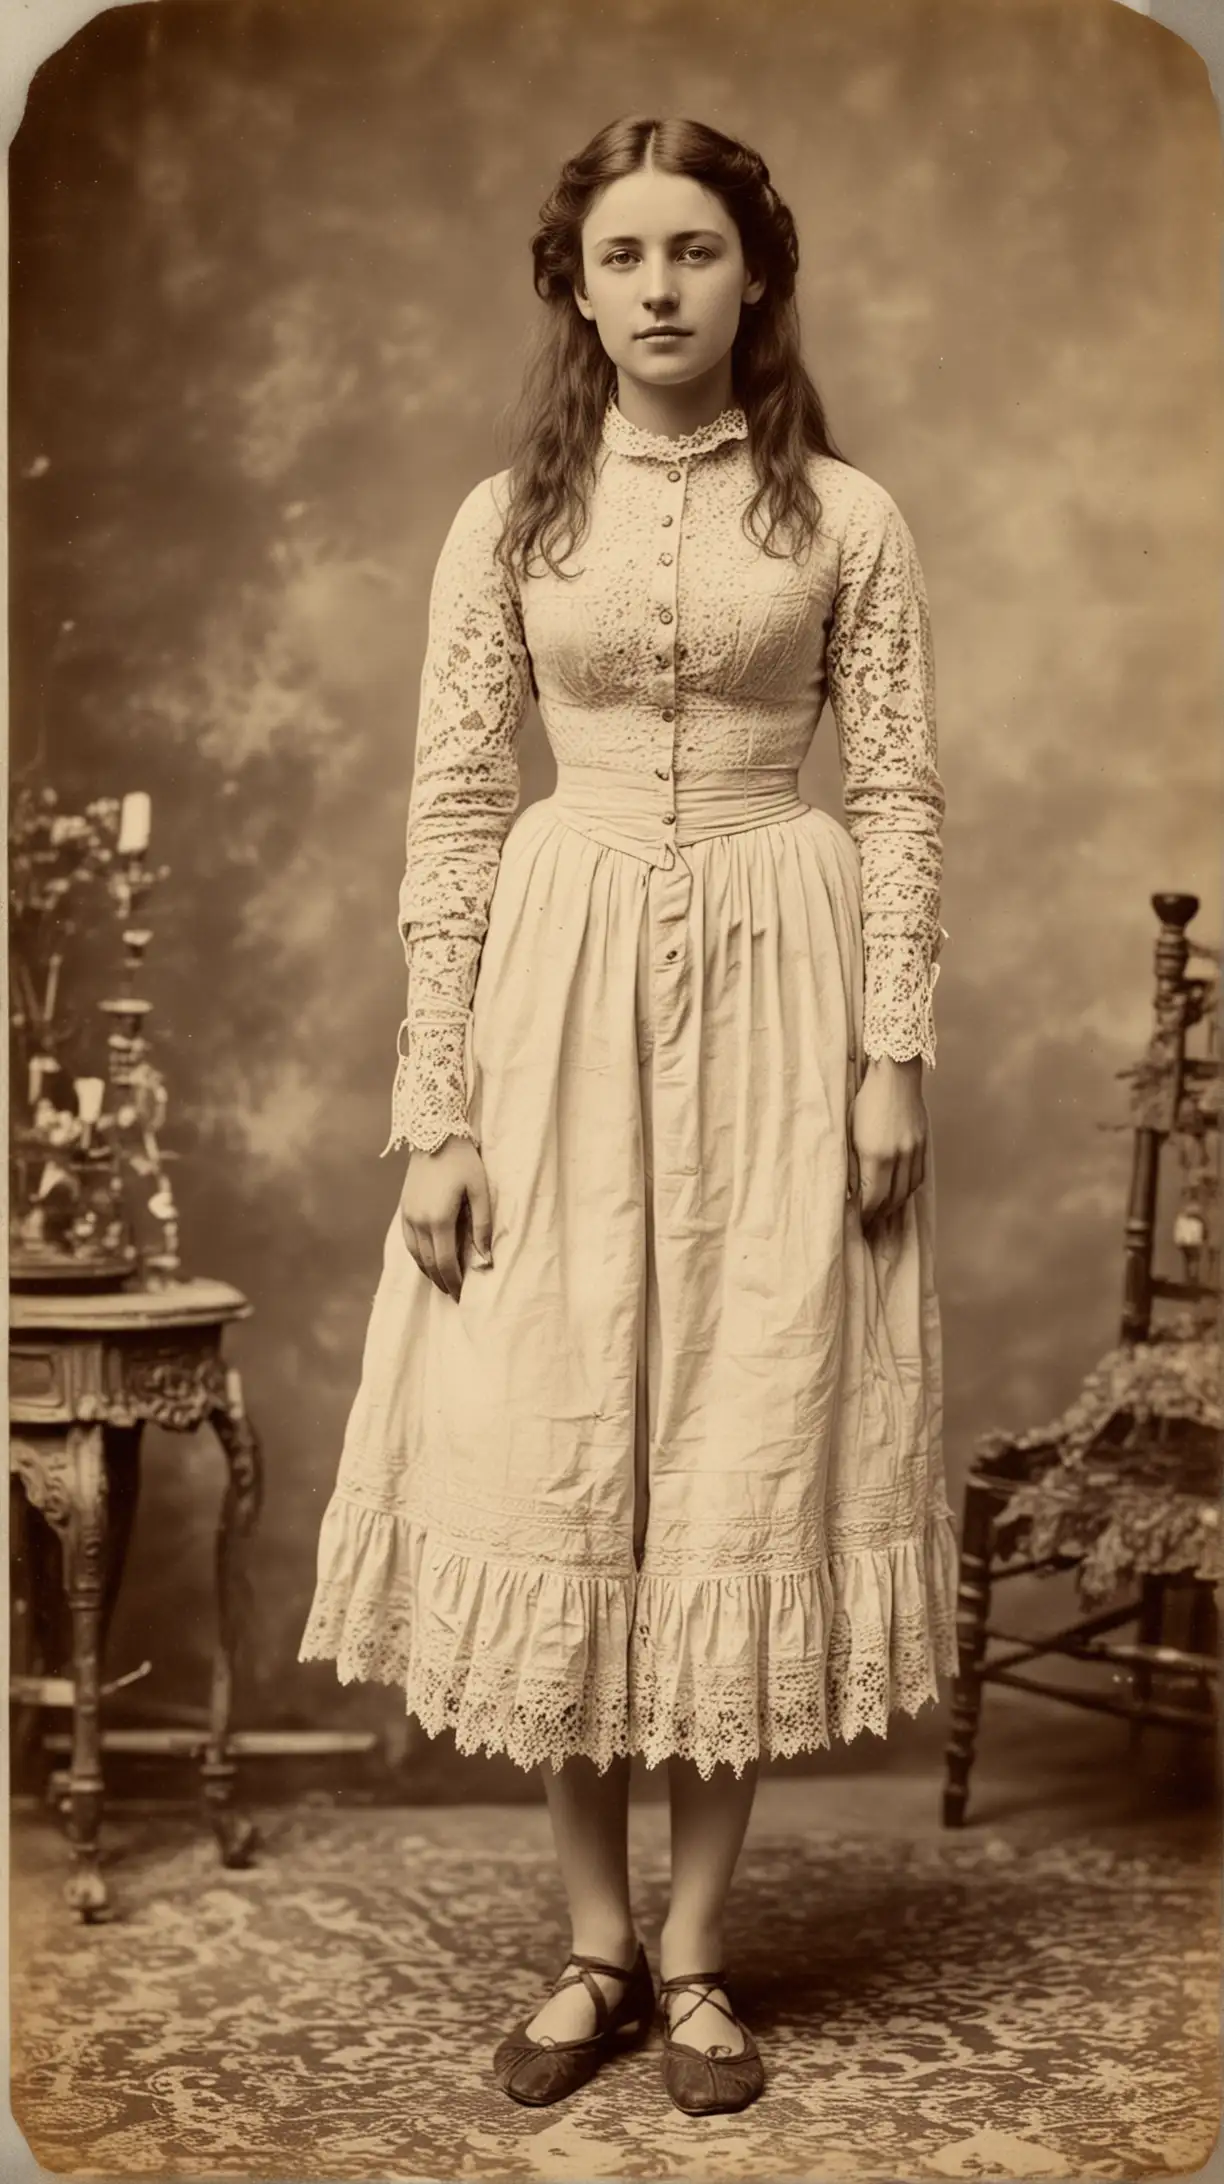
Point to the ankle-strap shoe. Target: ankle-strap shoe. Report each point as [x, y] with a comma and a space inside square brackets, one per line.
[705, 2082]
[538, 2072]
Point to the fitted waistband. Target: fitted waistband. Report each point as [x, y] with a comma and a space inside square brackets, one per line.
[651, 817]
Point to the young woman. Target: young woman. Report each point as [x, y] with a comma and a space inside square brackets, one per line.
[646, 1451]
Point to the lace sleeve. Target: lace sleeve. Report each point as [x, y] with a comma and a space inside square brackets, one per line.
[881, 673]
[465, 788]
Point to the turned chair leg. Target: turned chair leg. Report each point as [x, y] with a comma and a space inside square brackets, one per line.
[973, 1607]
[1203, 1637]
[1150, 1631]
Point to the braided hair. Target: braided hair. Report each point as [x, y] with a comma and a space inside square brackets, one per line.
[571, 379]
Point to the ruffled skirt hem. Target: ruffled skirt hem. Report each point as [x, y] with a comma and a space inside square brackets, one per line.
[548, 1664]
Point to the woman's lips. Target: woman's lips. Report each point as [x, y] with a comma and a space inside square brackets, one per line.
[664, 333]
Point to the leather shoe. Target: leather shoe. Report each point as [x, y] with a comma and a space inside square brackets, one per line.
[704, 2082]
[538, 2072]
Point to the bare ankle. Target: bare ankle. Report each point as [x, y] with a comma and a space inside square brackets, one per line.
[689, 1947]
[615, 1939]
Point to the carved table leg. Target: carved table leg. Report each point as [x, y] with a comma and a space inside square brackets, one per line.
[236, 1836]
[27, 1646]
[41, 1527]
[64, 1475]
[84, 1542]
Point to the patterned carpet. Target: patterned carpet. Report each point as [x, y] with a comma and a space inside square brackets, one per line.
[961, 2006]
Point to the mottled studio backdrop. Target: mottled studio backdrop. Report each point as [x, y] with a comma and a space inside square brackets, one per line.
[271, 293]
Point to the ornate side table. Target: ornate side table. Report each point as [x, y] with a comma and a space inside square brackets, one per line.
[86, 1372]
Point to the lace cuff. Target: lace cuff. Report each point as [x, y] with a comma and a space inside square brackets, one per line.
[429, 1095]
[902, 972]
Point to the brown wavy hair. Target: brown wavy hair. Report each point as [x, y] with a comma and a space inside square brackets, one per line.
[571, 379]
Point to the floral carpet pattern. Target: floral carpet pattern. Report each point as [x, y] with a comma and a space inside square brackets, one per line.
[962, 2006]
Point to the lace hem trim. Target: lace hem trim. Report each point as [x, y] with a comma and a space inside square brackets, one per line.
[544, 1664]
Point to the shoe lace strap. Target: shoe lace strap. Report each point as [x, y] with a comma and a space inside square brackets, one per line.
[702, 1984]
[584, 1966]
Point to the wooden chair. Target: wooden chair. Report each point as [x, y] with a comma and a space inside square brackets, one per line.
[1127, 1450]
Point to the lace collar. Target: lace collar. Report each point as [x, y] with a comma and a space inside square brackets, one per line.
[627, 439]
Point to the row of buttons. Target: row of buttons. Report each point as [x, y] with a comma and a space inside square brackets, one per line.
[667, 711]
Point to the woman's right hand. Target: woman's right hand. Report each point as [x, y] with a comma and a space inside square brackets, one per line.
[432, 1210]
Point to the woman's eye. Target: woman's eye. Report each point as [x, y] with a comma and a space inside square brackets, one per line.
[699, 251]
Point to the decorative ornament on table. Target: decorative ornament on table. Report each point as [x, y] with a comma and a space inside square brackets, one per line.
[78, 1170]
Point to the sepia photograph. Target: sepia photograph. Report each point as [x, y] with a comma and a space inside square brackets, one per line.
[615, 931]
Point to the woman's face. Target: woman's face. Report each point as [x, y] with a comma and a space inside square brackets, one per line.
[663, 277]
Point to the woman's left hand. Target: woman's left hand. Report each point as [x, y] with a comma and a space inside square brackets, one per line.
[888, 1137]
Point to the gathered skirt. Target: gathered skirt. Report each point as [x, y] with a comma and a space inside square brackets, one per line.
[668, 1478]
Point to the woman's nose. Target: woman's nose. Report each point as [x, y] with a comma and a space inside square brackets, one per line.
[660, 282]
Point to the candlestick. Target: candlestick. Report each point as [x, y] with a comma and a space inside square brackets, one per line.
[135, 817]
[41, 1065]
[89, 1092]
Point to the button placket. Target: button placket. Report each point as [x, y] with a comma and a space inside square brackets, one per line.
[664, 597]
[672, 893]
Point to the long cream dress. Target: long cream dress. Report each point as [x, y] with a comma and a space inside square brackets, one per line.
[668, 1478]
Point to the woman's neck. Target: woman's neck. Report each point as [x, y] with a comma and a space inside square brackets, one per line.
[673, 411]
